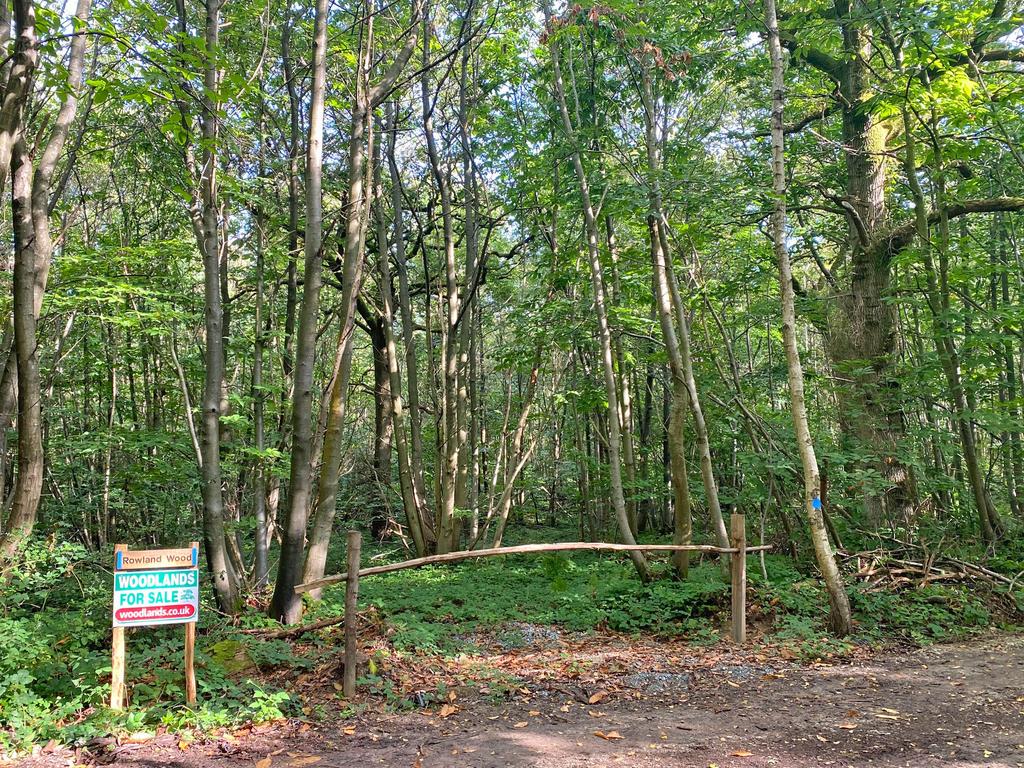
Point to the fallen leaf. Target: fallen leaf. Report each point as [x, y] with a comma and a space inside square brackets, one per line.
[741, 753]
[610, 736]
[848, 726]
[304, 761]
[350, 730]
[521, 724]
[264, 763]
[183, 745]
[448, 710]
[597, 697]
[595, 713]
[534, 712]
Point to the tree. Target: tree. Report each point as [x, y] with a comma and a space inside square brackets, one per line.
[841, 618]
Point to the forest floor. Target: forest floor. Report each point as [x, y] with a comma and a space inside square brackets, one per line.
[612, 700]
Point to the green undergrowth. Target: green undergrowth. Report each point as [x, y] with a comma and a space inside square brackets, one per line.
[55, 630]
[446, 609]
[438, 609]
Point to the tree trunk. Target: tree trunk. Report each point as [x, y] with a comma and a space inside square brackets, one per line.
[841, 618]
[625, 391]
[410, 473]
[285, 605]
[676, 428]
[29, 484]
[221, 569]
[449, 443]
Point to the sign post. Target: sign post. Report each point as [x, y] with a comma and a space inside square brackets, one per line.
[153, 587]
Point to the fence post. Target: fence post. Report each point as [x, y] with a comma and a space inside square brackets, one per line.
[738, 541]
[351, 620]
[117, 656]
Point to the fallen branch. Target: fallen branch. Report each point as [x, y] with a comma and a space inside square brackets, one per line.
[894, 567]
[272, 633]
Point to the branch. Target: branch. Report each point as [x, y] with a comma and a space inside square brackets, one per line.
[825, 110]
[820, 60]
[382, 90]
[891, 243]
[1002, 54]
[521, 549]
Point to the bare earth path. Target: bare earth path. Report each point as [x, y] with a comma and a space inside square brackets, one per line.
[957, 706]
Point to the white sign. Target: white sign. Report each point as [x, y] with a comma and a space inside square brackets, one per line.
[146, 598]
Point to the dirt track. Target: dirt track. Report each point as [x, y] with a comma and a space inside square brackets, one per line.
[957, 706]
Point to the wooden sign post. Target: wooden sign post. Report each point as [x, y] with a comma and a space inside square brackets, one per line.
[154, 587]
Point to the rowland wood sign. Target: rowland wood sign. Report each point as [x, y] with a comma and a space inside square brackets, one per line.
[154, 587]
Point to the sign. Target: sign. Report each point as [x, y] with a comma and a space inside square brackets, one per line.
[154, 587]
[147, 559]
[167, 596]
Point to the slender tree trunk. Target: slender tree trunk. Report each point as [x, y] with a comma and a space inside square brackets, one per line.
[29, 484]
[108, 519]
[449, 444]
[676, 428]
[221, 569]
[34, 207]
[285, 605]
[1015, 469]
[409, 342]
[625, 391]
[841, 618]
[410, 474]
[259, 490]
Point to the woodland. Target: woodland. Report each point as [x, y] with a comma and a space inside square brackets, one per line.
[466, 273]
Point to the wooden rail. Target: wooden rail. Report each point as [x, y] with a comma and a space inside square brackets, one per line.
[523, 549]
[738, 568]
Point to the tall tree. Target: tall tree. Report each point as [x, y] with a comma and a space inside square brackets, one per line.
[841, 618]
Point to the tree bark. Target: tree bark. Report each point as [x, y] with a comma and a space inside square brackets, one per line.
[221, 568]
[841, 618]
[285, 605]
[29, 484]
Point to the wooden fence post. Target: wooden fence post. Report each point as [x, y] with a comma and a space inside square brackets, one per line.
[190, 653]
[738, 541]
[117, 655]
[190, 664]
[351, 620]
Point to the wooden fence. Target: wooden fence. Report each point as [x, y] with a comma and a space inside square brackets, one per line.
[738, 568]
